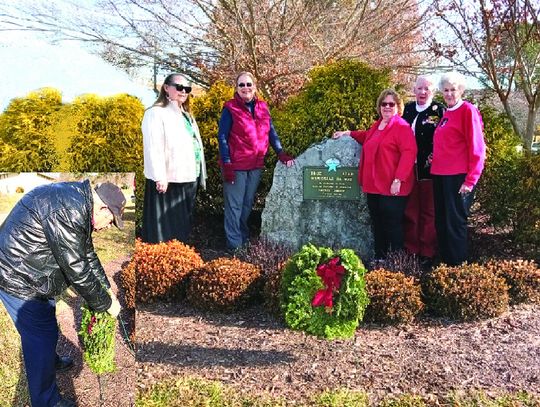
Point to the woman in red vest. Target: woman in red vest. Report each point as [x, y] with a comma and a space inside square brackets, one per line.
[386, 171]
[245, 132]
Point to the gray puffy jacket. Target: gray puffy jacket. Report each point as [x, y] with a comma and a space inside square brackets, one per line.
[46, 246]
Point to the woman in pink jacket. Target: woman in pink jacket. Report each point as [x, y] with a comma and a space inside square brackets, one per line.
[459, 152]
[386, 171]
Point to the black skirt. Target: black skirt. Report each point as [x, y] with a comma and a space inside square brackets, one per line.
[168, 216]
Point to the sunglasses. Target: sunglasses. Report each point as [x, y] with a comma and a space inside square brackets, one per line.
[180, 87]
[243, 85]
[389, 104]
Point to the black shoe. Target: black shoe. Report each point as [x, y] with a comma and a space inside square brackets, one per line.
[63, 363]
[65, 403]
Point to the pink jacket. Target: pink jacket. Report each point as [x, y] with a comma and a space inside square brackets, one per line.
[386, 155]
[458, 144]
[248, 139]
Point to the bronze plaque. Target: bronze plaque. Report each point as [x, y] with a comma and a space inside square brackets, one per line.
[336, 183]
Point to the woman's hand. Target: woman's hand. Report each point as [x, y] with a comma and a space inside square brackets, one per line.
[395, 187]
[464, 189]
[339, 134]
[161, 186]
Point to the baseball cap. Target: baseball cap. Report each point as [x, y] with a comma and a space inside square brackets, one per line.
[115, 200]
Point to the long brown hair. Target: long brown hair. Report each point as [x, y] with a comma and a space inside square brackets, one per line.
[163, 97]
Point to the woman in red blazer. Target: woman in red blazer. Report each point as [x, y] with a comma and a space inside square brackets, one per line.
[386, 170]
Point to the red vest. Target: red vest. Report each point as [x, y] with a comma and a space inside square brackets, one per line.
[248, 139]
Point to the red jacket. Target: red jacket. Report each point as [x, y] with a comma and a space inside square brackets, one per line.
[386, 155]
[248, 139]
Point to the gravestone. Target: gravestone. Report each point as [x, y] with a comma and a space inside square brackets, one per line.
[314, 201]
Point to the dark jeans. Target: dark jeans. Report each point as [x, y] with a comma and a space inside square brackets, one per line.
[451, 213]
[386, 214]
[239, 199]
[36, 323]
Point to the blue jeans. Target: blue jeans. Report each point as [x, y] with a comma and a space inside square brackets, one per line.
[239, 197]
[36, 323]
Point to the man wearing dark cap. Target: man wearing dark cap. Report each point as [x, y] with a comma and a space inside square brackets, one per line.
[45, 247]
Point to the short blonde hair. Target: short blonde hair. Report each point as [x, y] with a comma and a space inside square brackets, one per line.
[452, 78]
[395, 96]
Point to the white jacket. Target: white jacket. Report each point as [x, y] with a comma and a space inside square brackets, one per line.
[168, 146]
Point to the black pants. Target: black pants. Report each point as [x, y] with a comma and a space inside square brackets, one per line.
[451, 213]
[168, 216]
[387, 222]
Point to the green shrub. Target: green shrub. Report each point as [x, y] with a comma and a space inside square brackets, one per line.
[207, 111]
[393, 297]
[509, 188]
[300, 283]
[522, 277]
[26, 137]
[224, 284]
[338, 96]
[109, 137]
[162, 270]
[466, 292]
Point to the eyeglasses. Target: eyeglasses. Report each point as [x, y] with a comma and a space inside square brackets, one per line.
[389, 104]
[243, 85]
[180, 87]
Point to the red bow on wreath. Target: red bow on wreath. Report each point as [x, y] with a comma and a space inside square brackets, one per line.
[331, 274]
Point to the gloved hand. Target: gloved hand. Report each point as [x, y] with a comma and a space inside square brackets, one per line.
[228, 173]
[115, 308]
[284, 157]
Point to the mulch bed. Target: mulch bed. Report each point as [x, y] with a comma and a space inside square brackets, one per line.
[80, 383]
[252, 350]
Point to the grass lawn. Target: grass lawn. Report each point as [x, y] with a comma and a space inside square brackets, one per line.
[109, 244]
[191, 392]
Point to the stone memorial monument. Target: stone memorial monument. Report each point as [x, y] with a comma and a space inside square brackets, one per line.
[318, 200]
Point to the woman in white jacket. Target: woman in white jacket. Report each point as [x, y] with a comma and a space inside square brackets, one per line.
[174, 163]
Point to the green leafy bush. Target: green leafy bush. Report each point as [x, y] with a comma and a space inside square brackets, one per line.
[466, 292]
[300, 283]
[26, 137]
[162, 270]
[393, 297]
[109, 137]
[98, 339]
[508, 191]
[522, 277]
[340, 95]
[207, 111]
[224, 284]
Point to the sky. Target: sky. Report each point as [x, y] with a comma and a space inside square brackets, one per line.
[30, 62]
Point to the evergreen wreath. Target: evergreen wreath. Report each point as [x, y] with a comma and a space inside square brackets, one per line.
[98, 339]
[324, 292]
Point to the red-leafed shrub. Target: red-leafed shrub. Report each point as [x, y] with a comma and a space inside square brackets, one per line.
[465, 292]
[522, 277]
[224, 284]
[162, 269]
[129, 283]
[393, 297]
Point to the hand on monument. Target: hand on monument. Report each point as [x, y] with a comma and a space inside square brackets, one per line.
[286, 159]
[339, 134]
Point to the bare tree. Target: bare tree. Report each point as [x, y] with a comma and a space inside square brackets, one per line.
[502, 40]
[279, 40]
